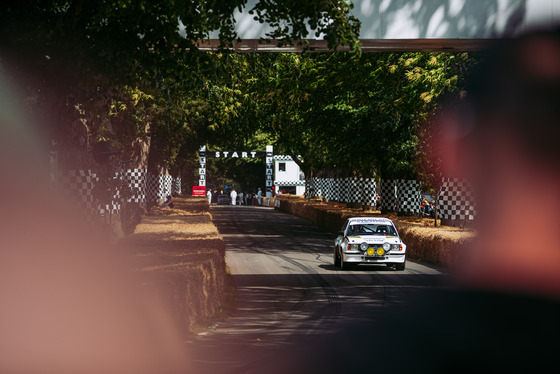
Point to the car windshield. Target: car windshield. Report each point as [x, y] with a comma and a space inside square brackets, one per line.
[371, 229]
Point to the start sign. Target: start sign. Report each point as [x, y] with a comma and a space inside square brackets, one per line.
[199, 191]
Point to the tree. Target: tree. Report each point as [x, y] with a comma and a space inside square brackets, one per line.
[78, 56]
[348, 115]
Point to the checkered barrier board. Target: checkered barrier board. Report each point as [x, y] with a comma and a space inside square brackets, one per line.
[79, 185]
[318, 187]
[405, 196]
[158, 187]
[368, 188]
[344, 190]
[136, 181]
[176, 185]
[387, 192]
[409, 197]
[455, 200]
[289, 183]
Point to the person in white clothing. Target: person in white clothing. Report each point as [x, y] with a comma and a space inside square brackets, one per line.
[233, 196]
[259, 196]
[209, 194]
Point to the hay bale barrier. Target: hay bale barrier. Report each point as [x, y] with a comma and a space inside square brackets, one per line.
[440, 246]
[180, 257]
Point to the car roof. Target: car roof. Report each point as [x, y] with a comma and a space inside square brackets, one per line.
[370, 220]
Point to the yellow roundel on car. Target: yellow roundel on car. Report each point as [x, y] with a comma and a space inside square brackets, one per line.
[380, 251]
[370, 251]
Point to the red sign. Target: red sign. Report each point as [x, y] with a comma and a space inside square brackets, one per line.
[199, 191]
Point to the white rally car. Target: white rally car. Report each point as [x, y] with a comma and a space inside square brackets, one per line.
[369, 240]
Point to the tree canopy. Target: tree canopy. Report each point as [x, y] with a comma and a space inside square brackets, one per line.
[131, 69]
[345, 115]
[82, 53]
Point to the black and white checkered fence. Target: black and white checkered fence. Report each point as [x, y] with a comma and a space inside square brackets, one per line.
[337, 186]
[409, 196]
[349, 191]
[319, 187]
[345, 190]
[455, 200]
[289, 183]
[78, 186]
[369, 191]
[176, 185]
[135, 179]
[158, 187]
[388, 195]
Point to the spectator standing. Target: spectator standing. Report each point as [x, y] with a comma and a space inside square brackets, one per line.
[259, 196]
[233, 196]
[209, 194]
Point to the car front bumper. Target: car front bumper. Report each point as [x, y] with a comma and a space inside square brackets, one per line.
[359, 257]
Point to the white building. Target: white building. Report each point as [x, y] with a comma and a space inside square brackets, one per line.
[288, 177]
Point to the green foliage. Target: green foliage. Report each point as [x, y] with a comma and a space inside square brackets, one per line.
[133, 67]
[79, 58]
[348, 115]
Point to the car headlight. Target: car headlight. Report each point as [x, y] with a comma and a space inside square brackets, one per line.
[386, 246]
[396, 247]
[364, 246]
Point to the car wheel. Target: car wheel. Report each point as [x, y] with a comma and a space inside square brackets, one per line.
[400, 267]
[344, 265]
[336, 258]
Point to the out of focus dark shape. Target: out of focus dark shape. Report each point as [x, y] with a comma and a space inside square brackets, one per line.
[502, 137]
[70, 304]
[502, 313]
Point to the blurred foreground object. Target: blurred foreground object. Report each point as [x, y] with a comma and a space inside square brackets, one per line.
[503, 138]
[502, 313]
[69, 303]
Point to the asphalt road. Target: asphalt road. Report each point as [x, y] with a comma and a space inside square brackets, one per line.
[291, 300]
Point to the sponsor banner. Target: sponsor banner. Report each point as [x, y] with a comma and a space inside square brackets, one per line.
[199, 191]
